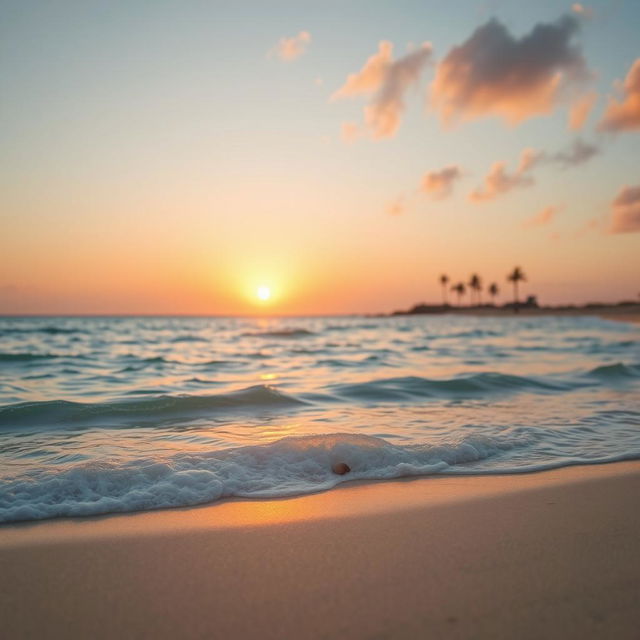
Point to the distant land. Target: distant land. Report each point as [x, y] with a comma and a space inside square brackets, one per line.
[624, 310]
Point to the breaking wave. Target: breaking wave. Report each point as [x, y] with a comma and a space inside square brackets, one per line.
[281, 333]
[286, 467]
[139, 410]
[161, 408]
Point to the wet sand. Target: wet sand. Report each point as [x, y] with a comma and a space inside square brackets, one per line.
[552, 554]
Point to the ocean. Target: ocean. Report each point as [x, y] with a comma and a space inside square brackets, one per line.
[104, 415]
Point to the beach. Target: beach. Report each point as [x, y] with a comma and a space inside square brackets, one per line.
[550, 554]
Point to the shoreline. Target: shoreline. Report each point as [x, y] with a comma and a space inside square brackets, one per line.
[546, 554]
[355, 498]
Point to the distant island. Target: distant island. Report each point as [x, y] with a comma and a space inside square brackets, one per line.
[623, 310]
[528, 307]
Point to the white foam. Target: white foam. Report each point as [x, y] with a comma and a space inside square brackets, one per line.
[286, 467]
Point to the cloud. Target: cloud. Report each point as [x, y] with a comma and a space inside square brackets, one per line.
[580, 110]
[494, 73]
[625, 211]
[387, 81]
[291, 48]
[370, 77]
[624, 115]
[499, 181]
[542, 217]
[529, 158]
[578, 153]
[383, 114]
[439, 184]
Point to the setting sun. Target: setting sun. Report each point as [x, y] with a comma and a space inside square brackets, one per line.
[263, 293]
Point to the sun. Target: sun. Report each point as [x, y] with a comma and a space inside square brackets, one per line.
[263, 293]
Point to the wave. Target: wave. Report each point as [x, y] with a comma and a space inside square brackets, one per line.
[217, 363]
[289, 466]
[151, 359]
[172, 408]
[407, 387]
[481, 384]
[28, 357]
[47, 330]
[473, 333]
[616, 371]
[341, 363]
[141, 363]
[282, 333]
[155, 409]
[351, 327]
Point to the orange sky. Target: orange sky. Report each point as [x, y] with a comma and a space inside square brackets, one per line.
[163, 161]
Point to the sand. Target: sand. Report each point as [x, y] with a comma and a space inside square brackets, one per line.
[546, 555]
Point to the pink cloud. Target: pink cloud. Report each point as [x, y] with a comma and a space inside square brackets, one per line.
[370, 77]
[439, 184]
[499, 181]
[624, 114]
[625, 211]
[529, 158]
[291, 48]
[387, 81]
[545, 216]
[494, 73]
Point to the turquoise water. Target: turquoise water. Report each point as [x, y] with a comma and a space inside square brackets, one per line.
[101, 415]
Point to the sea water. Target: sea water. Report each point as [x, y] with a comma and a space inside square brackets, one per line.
[102, 415]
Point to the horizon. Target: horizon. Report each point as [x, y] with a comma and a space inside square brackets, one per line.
[445, 308]
[287, 161]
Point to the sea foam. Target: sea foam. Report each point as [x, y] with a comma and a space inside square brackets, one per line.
[289, 466]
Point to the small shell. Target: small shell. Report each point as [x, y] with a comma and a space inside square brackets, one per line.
[341, 468]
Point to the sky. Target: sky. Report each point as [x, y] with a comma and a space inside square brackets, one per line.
[174, 157]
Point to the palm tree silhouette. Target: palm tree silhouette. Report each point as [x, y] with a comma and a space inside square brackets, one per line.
[517, 275]
[493, 291]
[460, 290]
[475, 284]
[444, 280]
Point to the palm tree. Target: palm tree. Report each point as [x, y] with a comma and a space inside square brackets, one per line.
[460, 290]
[517, 275]
[444, 280]
[493, 291]
[475, 284]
